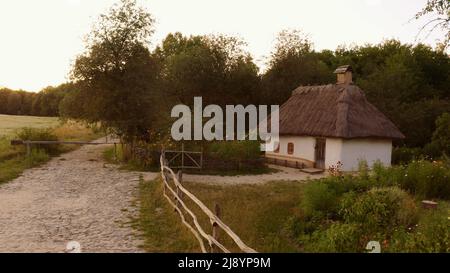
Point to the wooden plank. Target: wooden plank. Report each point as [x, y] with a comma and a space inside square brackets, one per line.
[215, 230]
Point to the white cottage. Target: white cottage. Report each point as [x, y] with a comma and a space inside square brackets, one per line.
[323, 125]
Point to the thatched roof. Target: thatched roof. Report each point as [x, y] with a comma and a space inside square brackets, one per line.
[334, 110]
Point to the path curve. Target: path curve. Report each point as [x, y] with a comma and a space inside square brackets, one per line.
[73, 197]
[283, 174]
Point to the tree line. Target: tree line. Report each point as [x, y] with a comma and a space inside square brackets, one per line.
[119, 82]
[45, 103]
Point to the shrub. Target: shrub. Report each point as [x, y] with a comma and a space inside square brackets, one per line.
[441, 136]
[379, 209]
[36, 134]
[432, 151]
[404, 155]
[386, 176]
[232, 156]
[422, 178]
[427, 179]
[323, 197]
[431, 235]
[337, 238]
[348, 183]
[235, 150]
[363, 169]
[320, 198]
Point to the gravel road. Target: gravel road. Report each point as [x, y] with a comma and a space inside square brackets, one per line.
[73, 197]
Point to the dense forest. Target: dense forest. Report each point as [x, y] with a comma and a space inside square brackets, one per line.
[44, 103]
[130, 89]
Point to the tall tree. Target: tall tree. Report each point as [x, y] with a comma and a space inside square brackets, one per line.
[115, 76]
[440, 12]
[215, 67]
[293, 62]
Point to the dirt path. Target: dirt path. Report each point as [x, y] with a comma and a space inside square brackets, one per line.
[283, 174]
[73, 197]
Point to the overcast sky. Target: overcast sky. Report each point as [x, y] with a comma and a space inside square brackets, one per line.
[39, 39]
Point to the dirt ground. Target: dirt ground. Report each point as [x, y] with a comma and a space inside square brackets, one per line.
[283, 174]
[74, 197]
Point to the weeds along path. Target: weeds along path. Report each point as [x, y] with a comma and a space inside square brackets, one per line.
[72, 197]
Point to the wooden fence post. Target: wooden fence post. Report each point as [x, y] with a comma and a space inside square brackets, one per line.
[163, 171]
[182, 155]
[179, 193]
[28, 149]
[215, 229]
[201, 158]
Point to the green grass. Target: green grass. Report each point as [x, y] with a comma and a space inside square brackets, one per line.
[13, 160]
[12, 168]
[256, 213]
[161, 226]
[9, 124]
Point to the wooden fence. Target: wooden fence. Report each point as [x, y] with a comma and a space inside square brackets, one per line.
[29, 143]
[178, 194]
[186, 159]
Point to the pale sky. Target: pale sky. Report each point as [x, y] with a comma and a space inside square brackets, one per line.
[39, 39]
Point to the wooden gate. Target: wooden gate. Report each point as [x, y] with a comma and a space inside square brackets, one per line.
[184, 159]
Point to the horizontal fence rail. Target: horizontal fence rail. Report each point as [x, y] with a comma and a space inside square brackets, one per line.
[29, 143]
[49, 142]
[179, 205]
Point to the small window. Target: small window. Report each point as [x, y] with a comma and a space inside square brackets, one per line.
[290, 148]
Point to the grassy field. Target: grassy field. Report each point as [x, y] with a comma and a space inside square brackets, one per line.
[257, 213]
[13, 160]
[9, 124]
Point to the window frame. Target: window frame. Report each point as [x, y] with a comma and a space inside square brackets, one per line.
[290, 148]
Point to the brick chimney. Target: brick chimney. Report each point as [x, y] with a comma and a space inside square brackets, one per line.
[344, 74]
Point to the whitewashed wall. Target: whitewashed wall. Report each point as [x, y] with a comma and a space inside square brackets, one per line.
[303, 147]
[333, 151]
[369, 150]
[349, 152]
